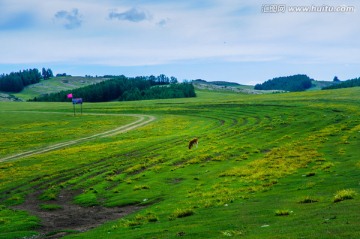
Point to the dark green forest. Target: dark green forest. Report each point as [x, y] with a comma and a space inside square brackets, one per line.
[287, 83]
[16, 81]
[345, 84]
[124, 88]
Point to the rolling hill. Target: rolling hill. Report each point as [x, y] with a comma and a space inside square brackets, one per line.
[224, 86]
[64, 83]
[57, 84]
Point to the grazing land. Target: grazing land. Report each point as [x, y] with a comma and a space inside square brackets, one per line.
[267, 166]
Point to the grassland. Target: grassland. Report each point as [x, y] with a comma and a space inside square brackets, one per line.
[267, 166]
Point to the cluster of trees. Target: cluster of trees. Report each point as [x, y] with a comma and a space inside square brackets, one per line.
[153, 80]
[287, 83]
[63, 74]
[182, 90]
[345, 84]
[16, 81]
[47, 73]
[125, 88]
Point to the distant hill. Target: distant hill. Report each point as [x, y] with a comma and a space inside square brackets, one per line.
[219, 83]
[288, 83]
[56, 84]
[16, 81]
[225, 83]
[318, 85]
[125, 89]
[344, 84]
[225, 86]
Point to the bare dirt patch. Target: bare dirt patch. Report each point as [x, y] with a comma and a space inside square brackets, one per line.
[69, 217]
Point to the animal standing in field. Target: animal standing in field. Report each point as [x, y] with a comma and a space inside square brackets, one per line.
[193, 142]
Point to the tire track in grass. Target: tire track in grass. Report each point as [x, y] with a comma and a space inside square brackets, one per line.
[142, 120]
[102, 164]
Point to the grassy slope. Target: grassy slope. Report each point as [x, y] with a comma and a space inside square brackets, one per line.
[229, 88]
[56, 84]
[257, 154]
[318, 85]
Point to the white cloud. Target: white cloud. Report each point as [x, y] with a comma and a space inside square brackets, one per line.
[132, 15]
[163, 22]
[69, 19]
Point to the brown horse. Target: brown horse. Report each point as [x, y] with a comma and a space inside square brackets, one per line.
[193, 142]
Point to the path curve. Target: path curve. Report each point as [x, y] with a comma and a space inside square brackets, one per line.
[143, 120]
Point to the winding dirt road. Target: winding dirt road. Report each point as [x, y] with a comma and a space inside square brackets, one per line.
[142, 120]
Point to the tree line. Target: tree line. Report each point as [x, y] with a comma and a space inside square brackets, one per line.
[125, 89]
[288, 83]
[345, 84]
[16, 81]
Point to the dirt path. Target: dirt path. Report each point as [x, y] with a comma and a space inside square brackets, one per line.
[69, 217]
[142, 120]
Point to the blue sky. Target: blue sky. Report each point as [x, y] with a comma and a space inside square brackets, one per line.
[230, 40]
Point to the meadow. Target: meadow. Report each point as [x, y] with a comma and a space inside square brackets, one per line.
[267, 166]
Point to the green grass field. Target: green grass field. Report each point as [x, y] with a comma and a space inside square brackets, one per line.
[267, 166]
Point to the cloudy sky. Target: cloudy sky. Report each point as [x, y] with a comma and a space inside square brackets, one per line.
[245, 41]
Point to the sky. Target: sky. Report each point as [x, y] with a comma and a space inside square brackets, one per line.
[243, 41]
